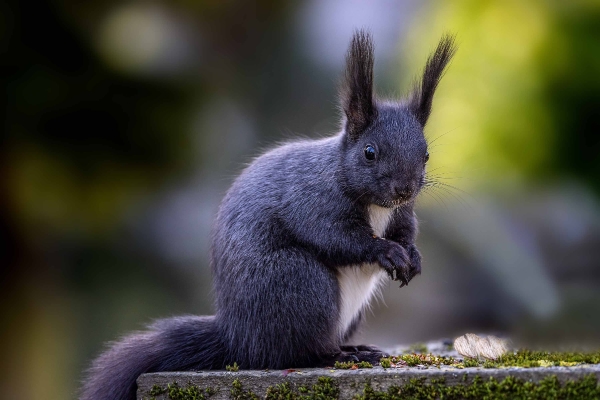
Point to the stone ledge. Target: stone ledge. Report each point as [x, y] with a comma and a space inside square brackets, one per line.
[349, 382]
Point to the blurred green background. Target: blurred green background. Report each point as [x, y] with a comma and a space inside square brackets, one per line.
[125, 122]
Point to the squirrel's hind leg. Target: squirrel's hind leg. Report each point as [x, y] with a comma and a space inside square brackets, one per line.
[371, 356]
[287, 301]
[362, 347]
[361, 352]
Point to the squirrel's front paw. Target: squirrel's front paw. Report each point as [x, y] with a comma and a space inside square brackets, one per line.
[396, 261]
[415, 263]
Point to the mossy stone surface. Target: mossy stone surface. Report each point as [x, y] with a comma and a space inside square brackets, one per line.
[449, 382]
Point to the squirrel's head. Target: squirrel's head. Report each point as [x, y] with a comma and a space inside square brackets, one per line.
[385, 150]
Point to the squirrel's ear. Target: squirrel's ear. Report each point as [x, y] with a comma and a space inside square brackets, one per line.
[422, 95]
[357, 89]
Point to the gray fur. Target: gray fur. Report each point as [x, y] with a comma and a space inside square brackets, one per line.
[289, 223]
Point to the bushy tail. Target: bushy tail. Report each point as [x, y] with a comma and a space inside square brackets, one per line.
[174, 344]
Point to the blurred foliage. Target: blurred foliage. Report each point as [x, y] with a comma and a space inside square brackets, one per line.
[82, 138]
[84, 143]
[519, 103]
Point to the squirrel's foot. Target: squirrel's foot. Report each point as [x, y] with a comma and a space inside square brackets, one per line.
[372, 357]
[362, 347]
[354, 354]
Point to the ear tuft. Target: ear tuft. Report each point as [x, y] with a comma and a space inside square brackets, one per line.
[357, 89]
[422, 95]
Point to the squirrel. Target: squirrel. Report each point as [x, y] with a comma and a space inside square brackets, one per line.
[302, 241]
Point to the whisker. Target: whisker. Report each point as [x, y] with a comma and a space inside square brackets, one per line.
[431, 196]
[442, 135]
[456, 196]
[450, 190]
[454, 188]
[433, 170]
[437, 196]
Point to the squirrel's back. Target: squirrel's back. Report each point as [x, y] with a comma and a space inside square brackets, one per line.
[262, 274]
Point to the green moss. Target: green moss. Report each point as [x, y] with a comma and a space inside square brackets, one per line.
[352, 365]
[413, 360]
[238, 393]
[232, 368]
[509, 388]
[175, 392]
[530, 359]
[343, 365]
[156, 390]
[470, 362]
[324, 389]
[281, 391]
[303, 389]
[527, 359]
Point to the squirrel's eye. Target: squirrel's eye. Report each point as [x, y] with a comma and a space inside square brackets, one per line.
[426, 157]
[369, 152]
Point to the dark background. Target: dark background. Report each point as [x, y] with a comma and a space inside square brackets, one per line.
[124, 124]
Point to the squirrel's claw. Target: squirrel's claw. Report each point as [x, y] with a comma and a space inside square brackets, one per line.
[404, 281]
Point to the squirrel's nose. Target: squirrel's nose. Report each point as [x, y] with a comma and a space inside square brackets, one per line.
[403, 191]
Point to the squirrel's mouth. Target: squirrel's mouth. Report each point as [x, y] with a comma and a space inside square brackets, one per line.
[394, 203]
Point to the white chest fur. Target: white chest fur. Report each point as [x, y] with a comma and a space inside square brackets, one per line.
[359, 283]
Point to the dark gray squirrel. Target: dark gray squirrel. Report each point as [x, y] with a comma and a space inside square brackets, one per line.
[302, 241]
